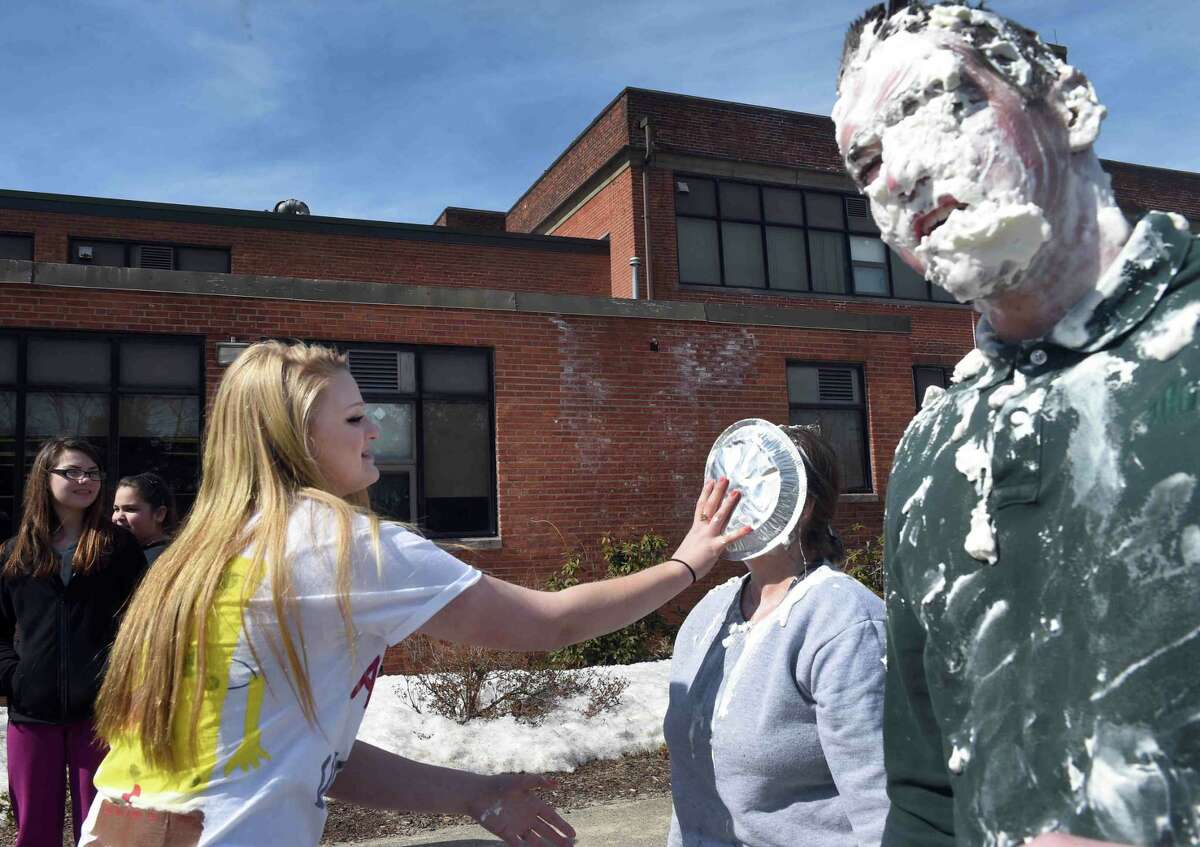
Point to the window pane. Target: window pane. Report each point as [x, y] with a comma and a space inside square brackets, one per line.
[843, 429]
[742, 244]
[786, 258]
[802, 384]
[201, 259]
[699, 199]
[54, 415]
[828, 261]
[906, 282]
[65, 361]
[825, 210]
[783, 206]
[454, 372]
[941, 294]
[16, 247]
[858, 215]
[102, 253]
[161, 434]
[8, 360]
[397, 442]
[868, 280]
[458, 467]
[866, 249]
[739, 201]
[698, 258]
[392, 495]
[923, 377]
[166, 365]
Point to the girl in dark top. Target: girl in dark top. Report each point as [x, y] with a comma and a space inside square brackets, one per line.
[64, 579]
[145, 505]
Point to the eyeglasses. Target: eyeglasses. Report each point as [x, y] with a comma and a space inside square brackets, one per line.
[78, 474]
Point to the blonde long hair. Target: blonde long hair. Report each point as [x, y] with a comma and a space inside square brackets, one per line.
[257, 461]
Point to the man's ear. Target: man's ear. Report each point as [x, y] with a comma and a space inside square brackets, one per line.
[1074, 100]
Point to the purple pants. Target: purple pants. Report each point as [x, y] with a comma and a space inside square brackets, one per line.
[37, 755]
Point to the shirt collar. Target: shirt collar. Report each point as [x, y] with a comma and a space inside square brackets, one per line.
[1123, 297]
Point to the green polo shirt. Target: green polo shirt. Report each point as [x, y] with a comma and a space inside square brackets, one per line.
[1043, 552]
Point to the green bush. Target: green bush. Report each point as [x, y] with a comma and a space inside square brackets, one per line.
[646, 640]
[865, 563]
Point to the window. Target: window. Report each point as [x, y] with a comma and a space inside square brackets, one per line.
[832, 397]
[167, 257]
[16, 247]
[745, 235]
[925, 376]
[435, 452]
[138, 399]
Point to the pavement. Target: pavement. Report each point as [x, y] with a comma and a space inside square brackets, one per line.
[632, 823]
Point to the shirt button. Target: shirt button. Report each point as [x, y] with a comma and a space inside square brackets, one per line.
[1019, 418]
[1038, 357]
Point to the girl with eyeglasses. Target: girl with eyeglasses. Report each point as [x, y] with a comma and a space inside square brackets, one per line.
[64, 579]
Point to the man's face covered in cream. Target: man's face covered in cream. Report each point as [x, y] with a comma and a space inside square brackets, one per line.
[964, 174]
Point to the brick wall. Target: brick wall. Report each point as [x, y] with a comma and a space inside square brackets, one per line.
[508, 265]
[596, 433]
[614, 211]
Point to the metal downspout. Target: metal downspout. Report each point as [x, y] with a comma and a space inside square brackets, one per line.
[644, 124]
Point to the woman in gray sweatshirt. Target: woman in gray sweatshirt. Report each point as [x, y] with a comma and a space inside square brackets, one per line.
[775, 717]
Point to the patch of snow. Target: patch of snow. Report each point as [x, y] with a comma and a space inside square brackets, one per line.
[564, 741]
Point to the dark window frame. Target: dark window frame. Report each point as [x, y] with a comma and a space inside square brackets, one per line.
[862, 408]
[113, 392]
[418, 397]
[129, 244]
[946, 372]
[32, 243]
[806, 227]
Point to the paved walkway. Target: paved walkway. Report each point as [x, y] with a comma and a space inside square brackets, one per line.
[636, 823]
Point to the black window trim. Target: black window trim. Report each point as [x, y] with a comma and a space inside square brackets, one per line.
[32, 243]
[418, 397]
[946, 372]
[806, 226]
[862, 408]
[130, 243]
[113, 391]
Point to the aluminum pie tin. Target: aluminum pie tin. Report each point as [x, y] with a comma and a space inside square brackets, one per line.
[761, 462]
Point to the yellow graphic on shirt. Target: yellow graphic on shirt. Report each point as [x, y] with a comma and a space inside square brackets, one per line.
[231, 683]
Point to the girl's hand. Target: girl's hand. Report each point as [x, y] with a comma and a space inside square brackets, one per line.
[1057, 839]
[707, 539]
[508, 808]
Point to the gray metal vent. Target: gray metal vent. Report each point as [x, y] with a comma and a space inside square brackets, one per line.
[383, 370]
[836, 385]
[154, 256]
[857, 207]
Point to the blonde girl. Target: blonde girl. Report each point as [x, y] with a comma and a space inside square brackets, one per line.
[239, 678]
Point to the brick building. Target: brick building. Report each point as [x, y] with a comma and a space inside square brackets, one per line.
[529, 398]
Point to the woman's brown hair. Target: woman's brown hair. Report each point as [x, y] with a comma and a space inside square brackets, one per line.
[32, 552]
[817, 535]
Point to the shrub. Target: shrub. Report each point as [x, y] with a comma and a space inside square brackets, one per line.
[865, 563]
[466, 683]
[645, 640]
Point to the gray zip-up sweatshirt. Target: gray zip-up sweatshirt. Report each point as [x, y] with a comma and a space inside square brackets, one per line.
[775, 730]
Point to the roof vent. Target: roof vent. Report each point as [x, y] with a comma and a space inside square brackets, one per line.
[291, 207]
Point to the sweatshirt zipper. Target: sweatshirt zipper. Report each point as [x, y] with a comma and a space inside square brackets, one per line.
[63, 655]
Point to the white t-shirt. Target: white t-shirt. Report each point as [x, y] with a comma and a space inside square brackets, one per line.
[262, 770]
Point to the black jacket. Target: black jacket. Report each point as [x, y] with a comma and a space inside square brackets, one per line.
[52, 672]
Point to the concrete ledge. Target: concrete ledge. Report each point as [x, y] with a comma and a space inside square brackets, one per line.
[15, 271]
[573, 304]
[807, 318]
[57, 275]
[452, 544]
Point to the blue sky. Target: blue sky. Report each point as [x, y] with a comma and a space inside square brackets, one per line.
[394, 110]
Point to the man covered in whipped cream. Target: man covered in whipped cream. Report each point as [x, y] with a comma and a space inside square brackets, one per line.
[1043, 517]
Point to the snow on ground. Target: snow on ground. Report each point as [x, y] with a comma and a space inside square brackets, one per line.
[563, 741]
